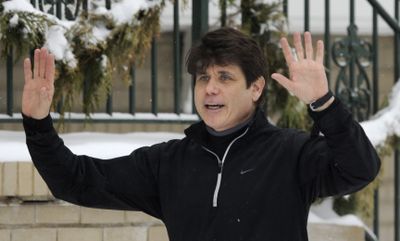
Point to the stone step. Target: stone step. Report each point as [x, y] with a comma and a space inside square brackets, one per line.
[335, 232]
[61, 221]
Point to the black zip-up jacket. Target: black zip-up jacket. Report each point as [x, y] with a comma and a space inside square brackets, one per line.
[261, 190]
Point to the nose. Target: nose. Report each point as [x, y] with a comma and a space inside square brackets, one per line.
[212, 87]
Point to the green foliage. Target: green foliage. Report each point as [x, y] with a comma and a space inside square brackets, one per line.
[22, 32]
[97, 59]
[66, 87]
[130, 42]
[94, 76]
[294, 115]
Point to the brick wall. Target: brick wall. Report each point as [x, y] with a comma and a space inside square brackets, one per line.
[61, 221]
[28, 211]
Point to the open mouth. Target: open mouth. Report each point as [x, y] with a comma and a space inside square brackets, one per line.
[214, 107]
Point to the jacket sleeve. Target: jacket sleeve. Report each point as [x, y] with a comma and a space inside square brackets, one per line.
[126, 183]
[340, 161]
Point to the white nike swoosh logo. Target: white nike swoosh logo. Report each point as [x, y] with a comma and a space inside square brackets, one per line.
[246, 171]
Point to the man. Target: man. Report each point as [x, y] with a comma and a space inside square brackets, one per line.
[234, 176]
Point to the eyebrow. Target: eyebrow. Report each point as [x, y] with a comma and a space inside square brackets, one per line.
[224, 72]
[201, 73]
[219, 72]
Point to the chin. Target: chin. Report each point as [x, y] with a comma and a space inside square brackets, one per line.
[214, 126]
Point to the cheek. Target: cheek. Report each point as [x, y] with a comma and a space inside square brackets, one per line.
[242, 98]
[197, 95]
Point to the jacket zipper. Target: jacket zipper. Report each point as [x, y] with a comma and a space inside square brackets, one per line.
[221, 167]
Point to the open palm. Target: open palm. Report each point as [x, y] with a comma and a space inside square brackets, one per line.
[307, 73]
[39, 86]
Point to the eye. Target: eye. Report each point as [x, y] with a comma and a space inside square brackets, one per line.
[203, 78]
[225, 77]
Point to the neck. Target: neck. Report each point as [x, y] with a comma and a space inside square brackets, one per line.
[230, 130]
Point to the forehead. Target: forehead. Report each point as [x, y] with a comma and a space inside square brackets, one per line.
[219, 69]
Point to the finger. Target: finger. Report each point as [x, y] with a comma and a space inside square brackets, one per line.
[320, 52]
[27, 70]
[298, 46]
[287, 52]
[50, 69]
[42, 62]
[308, 45]
[282, 80]
[36, 63]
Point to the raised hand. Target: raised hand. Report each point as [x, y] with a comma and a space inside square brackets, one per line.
[307, 73]
[39, 87]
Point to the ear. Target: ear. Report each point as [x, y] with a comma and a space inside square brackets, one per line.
[257, 88]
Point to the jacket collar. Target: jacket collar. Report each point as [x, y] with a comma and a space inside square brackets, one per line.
[199, 133]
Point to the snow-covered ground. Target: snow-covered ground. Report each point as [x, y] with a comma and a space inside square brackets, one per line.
[101, 145]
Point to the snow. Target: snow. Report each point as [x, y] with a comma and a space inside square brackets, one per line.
[14, 21]
[100, 33]
[13, 148]
[20, 5]
[122, 12]
[167, 117]
[106, 145]
[100, 145]
[386, 122]
[58, 45]
[323, 213]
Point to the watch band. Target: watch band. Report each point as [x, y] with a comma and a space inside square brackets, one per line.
[321, 101]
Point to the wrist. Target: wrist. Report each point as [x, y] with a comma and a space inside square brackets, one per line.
[322, 102]
[325, 105]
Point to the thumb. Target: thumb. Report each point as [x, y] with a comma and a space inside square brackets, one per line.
[282, 80]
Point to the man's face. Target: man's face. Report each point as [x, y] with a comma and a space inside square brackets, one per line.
[222, 98]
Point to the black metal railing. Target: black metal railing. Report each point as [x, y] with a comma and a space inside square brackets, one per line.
[69, 10]
[352, 56]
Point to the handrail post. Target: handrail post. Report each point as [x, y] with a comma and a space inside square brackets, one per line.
[396, 151]
[385, 16]
[397, 195]
[285, 8]
[327, 59]
[154, 76]
[306, 15]
[223, 13]
[132, 96]
[375, 97]
[199, 19]
[109, 102]
[10, 87]
[199, 27]
[177, 60]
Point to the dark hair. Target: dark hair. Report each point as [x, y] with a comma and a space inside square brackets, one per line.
[228, 46]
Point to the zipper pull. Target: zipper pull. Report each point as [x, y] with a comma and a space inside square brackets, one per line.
[219, 167]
